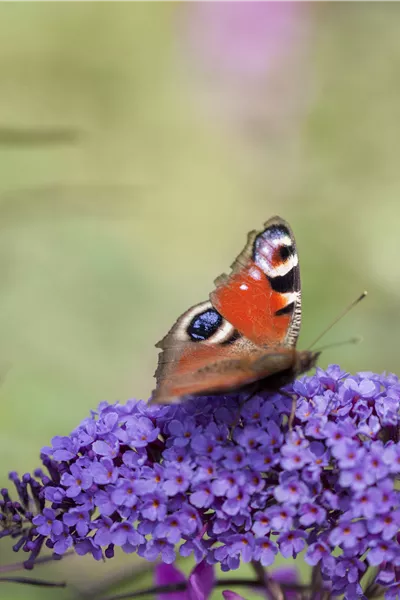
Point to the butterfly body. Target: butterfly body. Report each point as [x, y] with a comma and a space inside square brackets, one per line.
[245, 335]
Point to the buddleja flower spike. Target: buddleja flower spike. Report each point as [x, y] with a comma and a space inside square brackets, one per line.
[194, 479]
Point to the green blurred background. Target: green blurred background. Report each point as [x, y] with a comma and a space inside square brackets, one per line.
[138, 145]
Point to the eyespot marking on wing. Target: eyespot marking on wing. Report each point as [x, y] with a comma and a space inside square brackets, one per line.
[285, 251]
[274, 251]
[204, 325]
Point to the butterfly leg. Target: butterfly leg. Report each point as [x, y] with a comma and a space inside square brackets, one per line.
[292, 413]
[293, 408]
[294, 400]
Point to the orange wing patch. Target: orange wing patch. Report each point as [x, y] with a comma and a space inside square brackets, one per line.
[249, 303]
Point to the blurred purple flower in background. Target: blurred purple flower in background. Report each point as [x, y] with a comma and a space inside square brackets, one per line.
[201, 583]
[198, 586]
[244, 38]
[253, 58]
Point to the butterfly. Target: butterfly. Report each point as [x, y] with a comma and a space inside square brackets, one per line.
[245, 335]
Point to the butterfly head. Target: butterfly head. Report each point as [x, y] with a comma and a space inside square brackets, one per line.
[306, 360]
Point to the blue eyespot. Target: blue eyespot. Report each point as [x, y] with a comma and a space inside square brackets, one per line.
[203, 326]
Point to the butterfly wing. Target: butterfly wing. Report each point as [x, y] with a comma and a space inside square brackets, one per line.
[246, 332]
[261, 297]
[204, 354]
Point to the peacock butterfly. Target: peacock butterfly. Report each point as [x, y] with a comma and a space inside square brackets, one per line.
[245, 335]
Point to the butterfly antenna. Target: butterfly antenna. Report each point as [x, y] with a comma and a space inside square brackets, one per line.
[338, 318]
[354, 340]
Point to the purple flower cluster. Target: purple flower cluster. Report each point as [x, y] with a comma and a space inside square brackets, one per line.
[226, 479]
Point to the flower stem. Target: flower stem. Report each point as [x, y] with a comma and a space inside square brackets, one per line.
[21, 565]
[272, 589]
[33, 581]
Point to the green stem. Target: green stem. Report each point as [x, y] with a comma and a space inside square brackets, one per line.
[32, 581]
[20, 565]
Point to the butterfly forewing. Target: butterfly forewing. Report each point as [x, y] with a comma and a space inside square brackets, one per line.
[261, 298]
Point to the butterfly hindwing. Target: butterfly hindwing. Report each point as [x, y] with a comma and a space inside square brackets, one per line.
[204, 354]
[248, 329]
